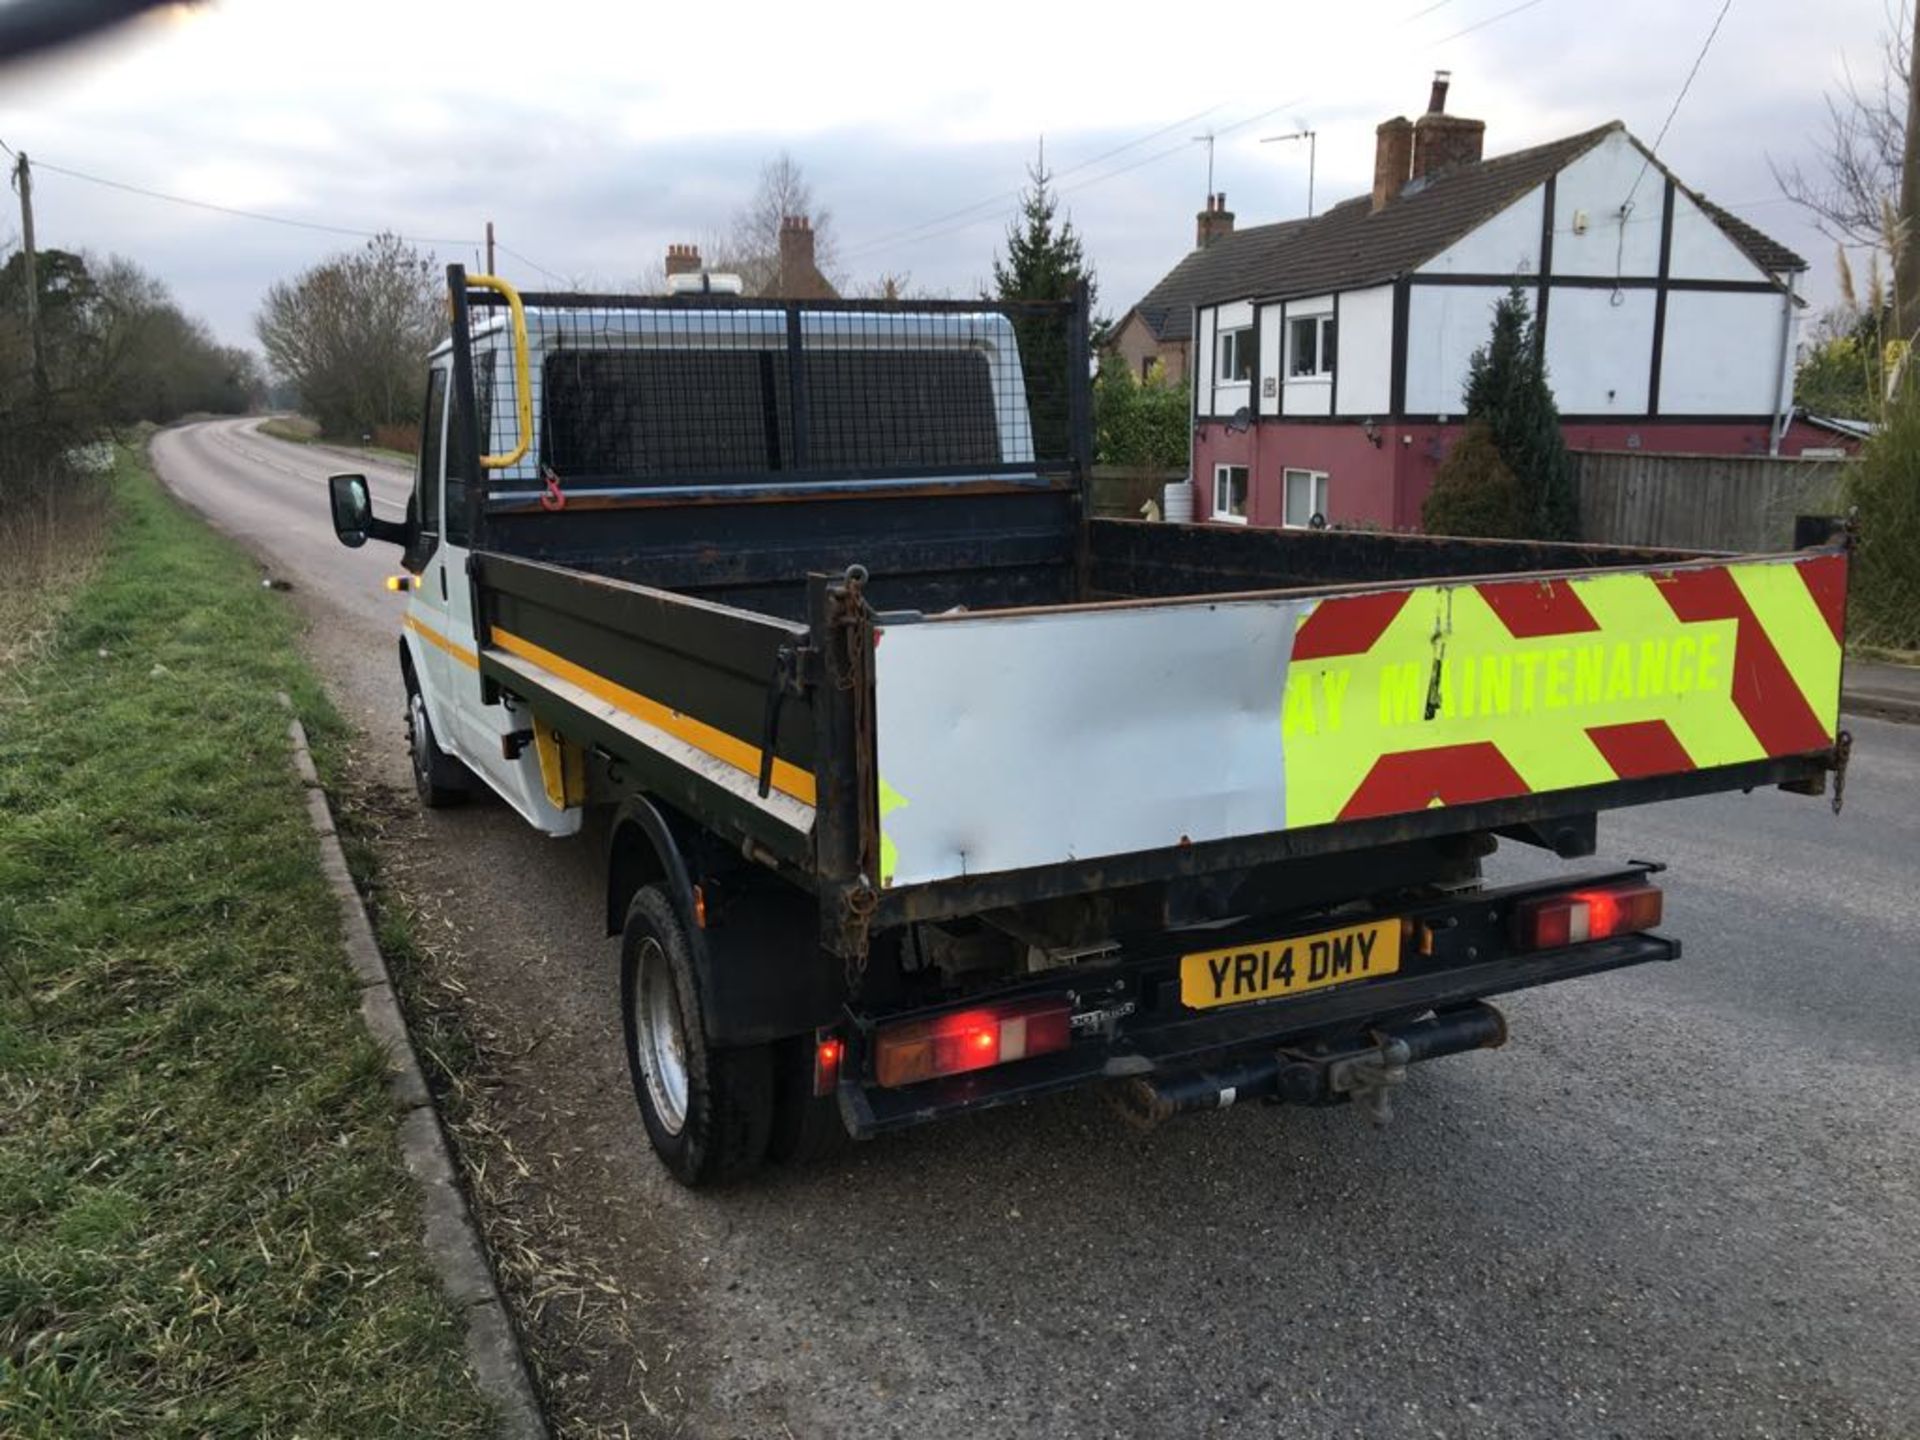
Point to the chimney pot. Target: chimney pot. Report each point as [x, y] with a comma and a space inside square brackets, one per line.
[683, 259]
[1437, 101]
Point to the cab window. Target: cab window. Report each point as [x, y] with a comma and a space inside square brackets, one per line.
[461, 435]
[425, 505]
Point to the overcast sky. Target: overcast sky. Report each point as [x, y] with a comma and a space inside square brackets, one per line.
[594, 134]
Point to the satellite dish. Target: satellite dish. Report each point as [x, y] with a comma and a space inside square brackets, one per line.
[1241, 422]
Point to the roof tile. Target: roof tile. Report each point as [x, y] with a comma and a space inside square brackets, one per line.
[1352, 244]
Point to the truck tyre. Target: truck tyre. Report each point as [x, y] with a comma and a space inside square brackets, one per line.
[439, 779]
[807, 1128]
[708, 1109]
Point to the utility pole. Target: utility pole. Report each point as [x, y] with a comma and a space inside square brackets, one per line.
[1207, 140]
[29, 266]
[1313, 150]
[490, 269]
[1906, 258]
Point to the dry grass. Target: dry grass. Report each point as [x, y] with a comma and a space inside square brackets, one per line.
[580, 1323]
[52, 546]
[294, 428]
[399, 444]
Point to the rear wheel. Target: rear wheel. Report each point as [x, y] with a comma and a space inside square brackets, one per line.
[708, 1109]
[439, 779]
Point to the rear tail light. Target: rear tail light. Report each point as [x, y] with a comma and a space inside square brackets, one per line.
[826, 1064]
[1583, 915]
[969, 1040]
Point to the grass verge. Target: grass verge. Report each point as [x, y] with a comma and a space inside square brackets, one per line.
[299, 430]
[600, 1357]
[204, 1225]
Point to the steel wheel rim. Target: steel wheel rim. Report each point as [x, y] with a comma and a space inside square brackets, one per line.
[663, 1037]
[417, 732]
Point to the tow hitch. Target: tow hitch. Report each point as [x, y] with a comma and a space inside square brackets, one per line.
[1290, 1077]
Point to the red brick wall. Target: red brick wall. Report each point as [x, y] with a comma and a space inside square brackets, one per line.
[1385, 485]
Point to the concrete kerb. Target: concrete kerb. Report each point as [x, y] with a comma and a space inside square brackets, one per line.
[452, 1240]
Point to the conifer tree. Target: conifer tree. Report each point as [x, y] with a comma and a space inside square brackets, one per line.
[1044, 260]
[1508, 393]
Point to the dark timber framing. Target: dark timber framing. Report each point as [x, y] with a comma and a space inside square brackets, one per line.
[1602, 282]
[1280, 369]
[1548, 194]
[1402, 314]
[1660, 299]
[1333, 375]
[1253, 388]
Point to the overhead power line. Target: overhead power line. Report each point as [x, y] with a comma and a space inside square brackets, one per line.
[235, 210]
[1674, 109]
[969, 215]
[1004, 196]
[1490, 20]
[508, 250]
[1180, 147]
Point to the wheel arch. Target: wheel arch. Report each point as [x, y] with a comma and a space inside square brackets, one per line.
[761, 977]
[642, 850]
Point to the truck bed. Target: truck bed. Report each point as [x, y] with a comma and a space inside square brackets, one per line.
[1194, 700]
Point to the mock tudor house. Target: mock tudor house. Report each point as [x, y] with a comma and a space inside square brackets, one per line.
[1329, 355]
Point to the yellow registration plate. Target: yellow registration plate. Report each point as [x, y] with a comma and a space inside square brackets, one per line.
[1270, 969]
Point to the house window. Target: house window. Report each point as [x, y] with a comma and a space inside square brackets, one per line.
[1236, 356]
[1306, 498]
[1230, 493]
[1310, 346]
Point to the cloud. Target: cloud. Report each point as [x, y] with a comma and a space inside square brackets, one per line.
[593, 135]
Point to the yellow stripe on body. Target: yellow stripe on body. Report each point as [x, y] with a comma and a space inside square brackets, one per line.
[788, 778]
[435, 638]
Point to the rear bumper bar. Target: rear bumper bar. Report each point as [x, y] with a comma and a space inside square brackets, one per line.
[1249, 1041]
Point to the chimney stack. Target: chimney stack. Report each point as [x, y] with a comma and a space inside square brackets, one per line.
[1392, 159]
[1213, 223]
[683, 260]
[1443, 142]
[796, 250]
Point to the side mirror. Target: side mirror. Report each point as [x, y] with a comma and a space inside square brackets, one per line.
[353, 518]
[352, 508]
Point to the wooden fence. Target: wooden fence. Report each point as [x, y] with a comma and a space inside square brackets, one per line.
[1118, 491]
[1705, 502]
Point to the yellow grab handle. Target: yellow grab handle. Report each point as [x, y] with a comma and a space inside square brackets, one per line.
[522, 383]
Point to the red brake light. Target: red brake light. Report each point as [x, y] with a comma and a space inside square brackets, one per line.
[1582, 915]
[918, 1050]
[826, 1064]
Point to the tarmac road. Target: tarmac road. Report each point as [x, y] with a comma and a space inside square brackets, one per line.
[1683, 1201]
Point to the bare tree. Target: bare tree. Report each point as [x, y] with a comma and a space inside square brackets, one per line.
[751, 248]
[352, 333]
[1862, 151]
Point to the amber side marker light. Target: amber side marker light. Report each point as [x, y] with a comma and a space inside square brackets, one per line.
[1582, 915]
[976, 1039]
[399, 582]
